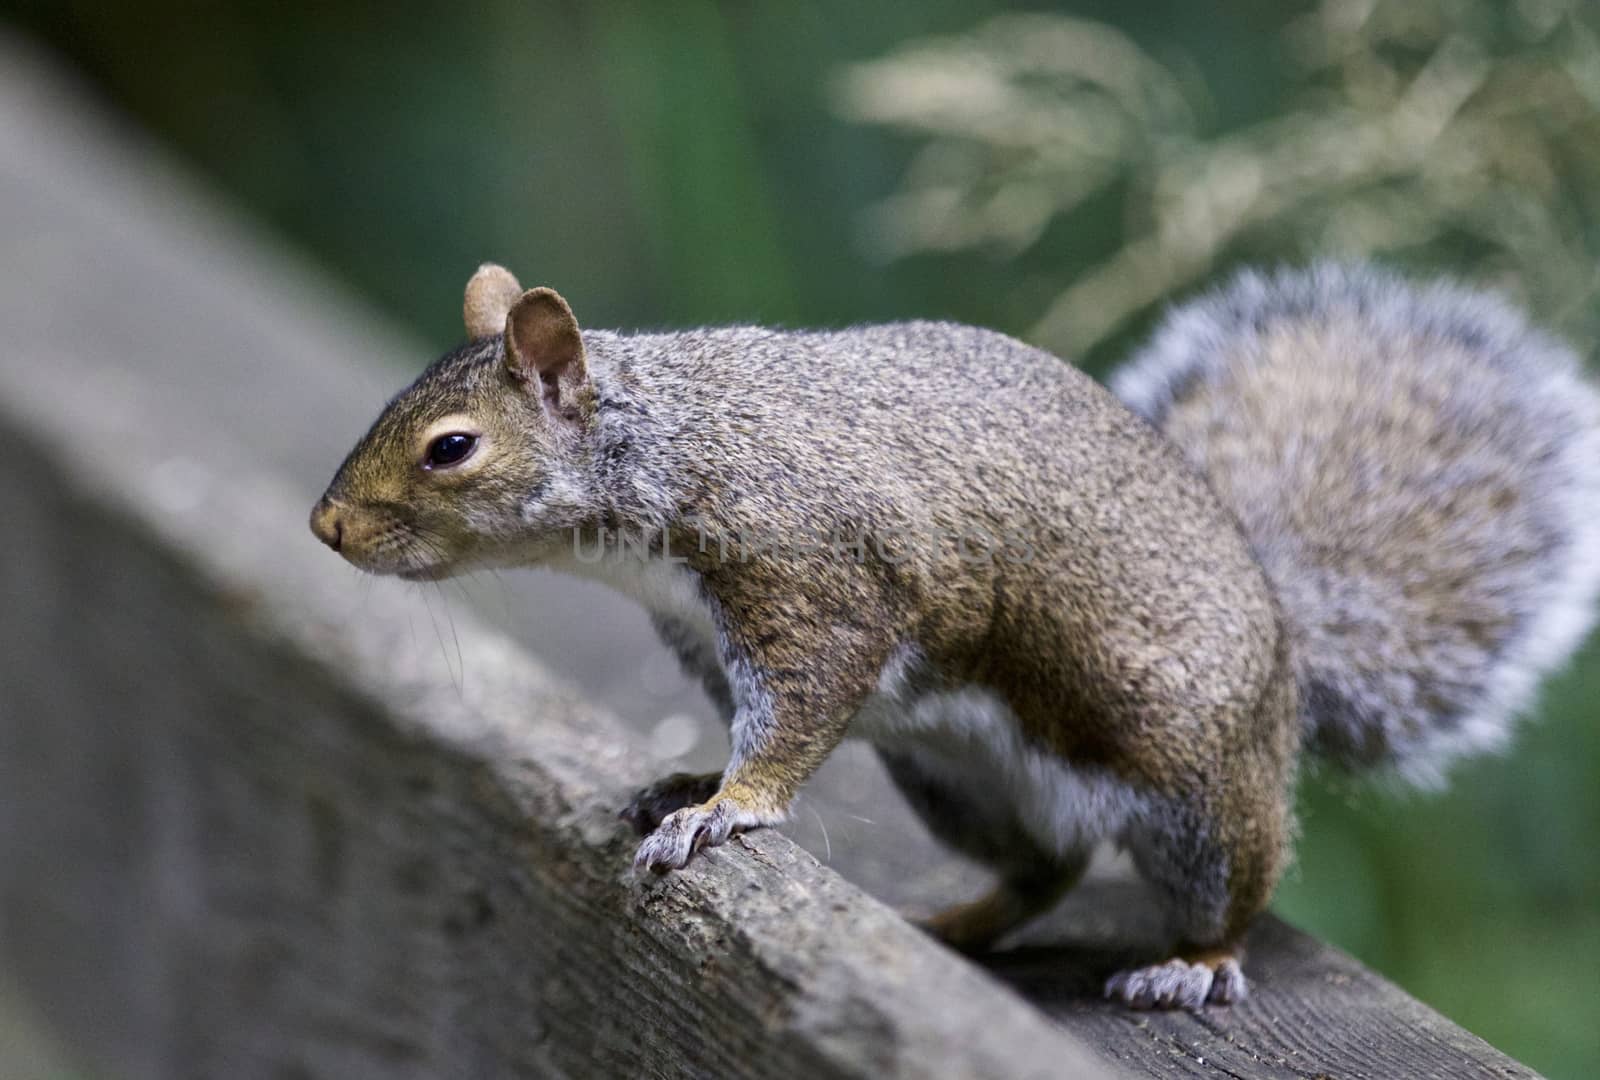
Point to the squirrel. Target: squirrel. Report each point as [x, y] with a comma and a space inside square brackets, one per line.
[1325, 510]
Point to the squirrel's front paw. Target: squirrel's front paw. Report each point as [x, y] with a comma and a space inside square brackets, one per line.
[683, 832]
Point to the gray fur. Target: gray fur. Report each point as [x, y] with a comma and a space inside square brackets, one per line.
[1408, 474]
[1422, 613]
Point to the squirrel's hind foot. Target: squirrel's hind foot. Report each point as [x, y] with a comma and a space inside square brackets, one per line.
[974, 927]
[1184, 982]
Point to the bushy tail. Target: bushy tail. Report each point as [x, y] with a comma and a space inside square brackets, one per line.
[1419, 473]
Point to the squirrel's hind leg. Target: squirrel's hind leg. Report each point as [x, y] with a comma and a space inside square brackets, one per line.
[978, 824]
[1213, 874]
[1213, 853]
[975, 926]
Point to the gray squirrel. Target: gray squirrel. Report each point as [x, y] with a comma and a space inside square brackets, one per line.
[1323, 509]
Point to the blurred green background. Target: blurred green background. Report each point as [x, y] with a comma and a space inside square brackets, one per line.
[1059, 177]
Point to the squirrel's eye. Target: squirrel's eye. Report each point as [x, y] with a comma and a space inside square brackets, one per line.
[449, 449]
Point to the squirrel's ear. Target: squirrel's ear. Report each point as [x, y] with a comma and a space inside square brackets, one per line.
[544, 348]
[490, 294]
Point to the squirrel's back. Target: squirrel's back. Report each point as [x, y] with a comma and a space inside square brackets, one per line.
[1418, 472]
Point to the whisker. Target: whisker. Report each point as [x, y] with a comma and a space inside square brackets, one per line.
[443, 651]
[827, 845]
[461, 663]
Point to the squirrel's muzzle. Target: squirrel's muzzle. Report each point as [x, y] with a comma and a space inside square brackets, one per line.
[325, 523]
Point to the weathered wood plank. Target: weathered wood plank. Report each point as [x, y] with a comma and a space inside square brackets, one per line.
[1314, 1012]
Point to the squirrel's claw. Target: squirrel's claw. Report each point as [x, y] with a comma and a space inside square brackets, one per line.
[683, 832]
[1179, 984]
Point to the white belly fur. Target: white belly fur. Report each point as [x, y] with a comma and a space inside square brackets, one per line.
[971, 737]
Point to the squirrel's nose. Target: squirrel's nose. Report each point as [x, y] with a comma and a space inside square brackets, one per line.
[326, 524]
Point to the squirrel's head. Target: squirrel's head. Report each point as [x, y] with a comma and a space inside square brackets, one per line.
[480, 460]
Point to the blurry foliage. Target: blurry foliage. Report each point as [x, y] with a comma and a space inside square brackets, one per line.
[684, 163]
[1456, 133]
